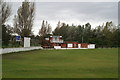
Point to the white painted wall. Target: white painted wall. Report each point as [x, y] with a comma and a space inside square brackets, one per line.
[26, 42]
[57, 47]
[91, 46]
[69, 45]
[79, 45]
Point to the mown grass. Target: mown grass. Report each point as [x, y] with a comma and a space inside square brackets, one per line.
[96, 63]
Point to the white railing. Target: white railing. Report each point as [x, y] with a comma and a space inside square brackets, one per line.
[10, 50]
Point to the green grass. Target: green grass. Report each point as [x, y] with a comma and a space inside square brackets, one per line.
[96, 63]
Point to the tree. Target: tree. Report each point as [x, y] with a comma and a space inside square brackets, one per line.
[87, 33]
[49, 29]
[23, 21]
[4, 15]
[107, 32]
[98, 37]
[6, 34]
[117, 35]
[63, 30]
[56, 31]
[43, 30]
[79, 33]
[106, 35]
[71, 33]
[5, 39]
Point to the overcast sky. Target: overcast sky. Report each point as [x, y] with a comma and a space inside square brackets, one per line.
[96, 13]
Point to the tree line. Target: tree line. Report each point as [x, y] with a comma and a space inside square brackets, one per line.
[106, 35]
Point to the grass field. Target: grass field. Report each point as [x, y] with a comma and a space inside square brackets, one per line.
[96, 63]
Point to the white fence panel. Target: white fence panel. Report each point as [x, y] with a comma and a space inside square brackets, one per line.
[9, 50]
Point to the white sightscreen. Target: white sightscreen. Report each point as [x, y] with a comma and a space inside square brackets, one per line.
[26, 42]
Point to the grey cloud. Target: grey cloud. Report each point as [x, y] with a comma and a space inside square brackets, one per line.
[72, 12]
[106, 10]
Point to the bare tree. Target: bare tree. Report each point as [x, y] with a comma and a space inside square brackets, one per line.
[45, 29]
[42, 31]
[4, 12]
[49, 29]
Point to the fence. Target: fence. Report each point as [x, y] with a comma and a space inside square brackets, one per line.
[10, 50]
